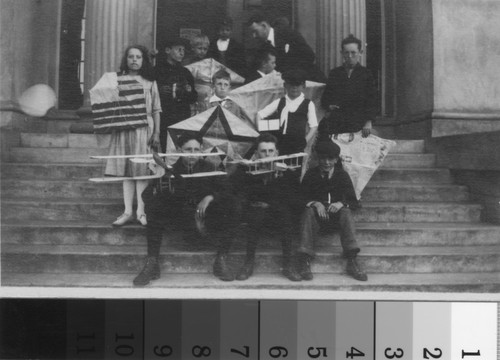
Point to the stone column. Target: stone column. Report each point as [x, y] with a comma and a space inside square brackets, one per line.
[335, 20]
[112, 25]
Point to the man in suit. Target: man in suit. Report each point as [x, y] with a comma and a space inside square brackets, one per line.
[269, 200]
[292, 50]
[227, 50]
[350, 95]
[330, 199]
[189, 204]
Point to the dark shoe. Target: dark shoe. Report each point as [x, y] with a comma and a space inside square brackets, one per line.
[150, 271]
[353, 269]
[290, 273]
[305, 267]
[221, 270]
[246, 271]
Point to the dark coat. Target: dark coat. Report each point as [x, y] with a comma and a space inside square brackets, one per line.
[356, 96]
[233, 58]
[178, 108]
[316, 188]
[280, 189]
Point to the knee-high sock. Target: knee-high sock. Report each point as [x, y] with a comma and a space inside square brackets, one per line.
[140, 186]
[128, 195]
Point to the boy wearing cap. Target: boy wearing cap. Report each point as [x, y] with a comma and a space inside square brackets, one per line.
[330, 199]
[176, 87]
[227, 50]
[298, 122]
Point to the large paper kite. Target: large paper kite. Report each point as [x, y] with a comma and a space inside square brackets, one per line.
[118, 103]
[256, 95]
[221, 131]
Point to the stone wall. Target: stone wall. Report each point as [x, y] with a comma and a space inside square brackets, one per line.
[466, 61]
[474, 160]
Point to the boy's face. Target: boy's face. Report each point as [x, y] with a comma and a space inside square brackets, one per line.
[225, 32]
[266, 150]
[200, 51]
[175, 53]
[191, 147]
[294, 91]
[222, 87]
[269, 65]
[326, 163]
[351, 54]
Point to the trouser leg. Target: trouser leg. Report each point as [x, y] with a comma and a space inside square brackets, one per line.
[348, 241]
[309, 227]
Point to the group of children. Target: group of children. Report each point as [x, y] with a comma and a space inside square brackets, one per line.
[169, 92]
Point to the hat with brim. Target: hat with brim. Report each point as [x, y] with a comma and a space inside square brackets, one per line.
[327, 149]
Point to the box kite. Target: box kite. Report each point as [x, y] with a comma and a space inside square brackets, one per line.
[254, 96]
[221, 131]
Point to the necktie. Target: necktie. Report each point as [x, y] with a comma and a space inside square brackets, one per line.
[325, 175]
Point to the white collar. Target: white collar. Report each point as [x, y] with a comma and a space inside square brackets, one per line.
[270, 37]
[298, 99]
[261, 73]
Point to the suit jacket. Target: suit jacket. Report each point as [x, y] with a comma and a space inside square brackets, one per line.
[252, 76]
[276, 189]
[316, 188]
[356, 96]
[193, 190]
[234, 57]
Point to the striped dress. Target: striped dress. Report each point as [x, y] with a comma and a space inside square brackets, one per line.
[134, 141]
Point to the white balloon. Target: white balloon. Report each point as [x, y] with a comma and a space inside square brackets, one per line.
[37, 100]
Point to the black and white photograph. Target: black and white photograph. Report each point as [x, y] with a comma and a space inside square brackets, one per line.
[250, 149]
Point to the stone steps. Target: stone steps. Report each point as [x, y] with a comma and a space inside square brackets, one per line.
[323, 285]
[84, 171]
[372, 234]
[417, 230]
[375, 191]
[130, 259]
[103, 210]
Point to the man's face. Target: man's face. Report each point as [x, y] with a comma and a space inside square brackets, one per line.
[200, 51]
[222, 87]
[269, 65]
[225, 32]
[191, 147]
[326, 163]
[266, 150]
[260, 30]
[293, 91]
[175, 53]
[351, 54]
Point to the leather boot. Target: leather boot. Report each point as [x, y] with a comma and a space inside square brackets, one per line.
[150, 271]
[304, 267]
[289, 270]
[246, 270]
[353, 269]
[221, 270]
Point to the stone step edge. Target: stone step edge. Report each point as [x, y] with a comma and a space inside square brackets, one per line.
[5, 200]
[139, 250]
[36, 224]
[323, 282]
[372, 184]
